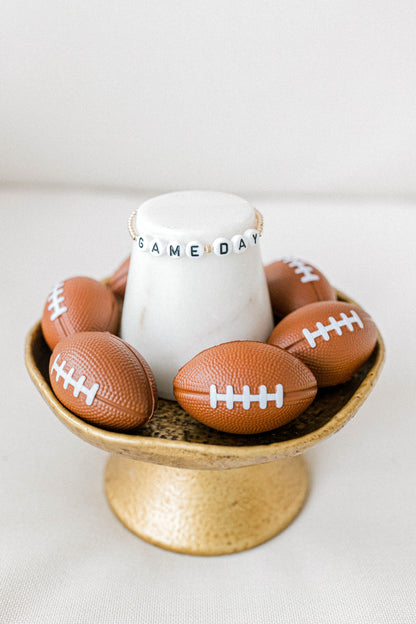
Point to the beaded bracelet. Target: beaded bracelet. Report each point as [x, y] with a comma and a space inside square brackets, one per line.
[194, 249]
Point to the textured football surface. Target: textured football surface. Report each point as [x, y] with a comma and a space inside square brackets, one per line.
[118, 280]
[103, 380]
[294, 283]
[244, 387]
[332, 338]
[76, 305]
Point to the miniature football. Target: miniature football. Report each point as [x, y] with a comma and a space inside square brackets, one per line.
[79, 304]
[118, 280]
[332, 338]
[294, 283]
[103, 380]
[244, 387]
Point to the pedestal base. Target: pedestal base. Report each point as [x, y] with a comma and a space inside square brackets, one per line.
[206, 512]
[181, 485]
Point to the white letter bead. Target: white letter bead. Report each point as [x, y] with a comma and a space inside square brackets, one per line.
[252, 236]
[143, 243]
[240, 243]
[157, 247]
[194, 249]
[222, 247]
[175, 249]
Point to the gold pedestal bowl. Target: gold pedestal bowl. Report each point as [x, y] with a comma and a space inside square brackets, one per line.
[187, 488]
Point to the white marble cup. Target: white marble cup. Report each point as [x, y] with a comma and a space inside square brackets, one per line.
[181, 299]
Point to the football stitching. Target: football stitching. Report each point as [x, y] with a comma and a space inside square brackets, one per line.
[78, 386]
[323, 330]
[262, 398]
[56, 297]
[301, 267]
[129, 411]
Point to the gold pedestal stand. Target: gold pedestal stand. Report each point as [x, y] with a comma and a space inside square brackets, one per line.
[206, 512]
[185, 487]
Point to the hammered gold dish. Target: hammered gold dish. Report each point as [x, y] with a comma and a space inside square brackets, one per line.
[185, 487]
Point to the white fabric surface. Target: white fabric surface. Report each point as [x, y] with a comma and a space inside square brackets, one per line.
[349, 556]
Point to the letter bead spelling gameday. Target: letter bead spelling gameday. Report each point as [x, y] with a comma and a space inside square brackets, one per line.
[221, 246]
[194, 249]
[226, 388]
[332, 338]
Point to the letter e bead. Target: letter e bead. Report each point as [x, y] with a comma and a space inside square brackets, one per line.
[194, 249]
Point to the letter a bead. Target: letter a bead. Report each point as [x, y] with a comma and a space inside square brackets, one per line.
[157, 247]
[240, 243]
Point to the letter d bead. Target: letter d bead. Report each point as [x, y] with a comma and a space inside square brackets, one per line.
[222, 247]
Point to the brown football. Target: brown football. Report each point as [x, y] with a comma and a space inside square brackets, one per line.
[332, 338]
[294, 283]
[103, 380]
[118, 280]
[76, 305]
[244, 387]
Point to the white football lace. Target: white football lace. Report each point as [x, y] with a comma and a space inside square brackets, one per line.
[56, 298]
[301, 267]
[70, 381]
[262, 398]
[336, 326]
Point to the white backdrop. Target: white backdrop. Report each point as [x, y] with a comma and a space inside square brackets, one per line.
[349, 557]
[250, 96]
[243, 95]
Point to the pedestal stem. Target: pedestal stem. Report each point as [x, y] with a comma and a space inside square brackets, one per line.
[206, 512]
